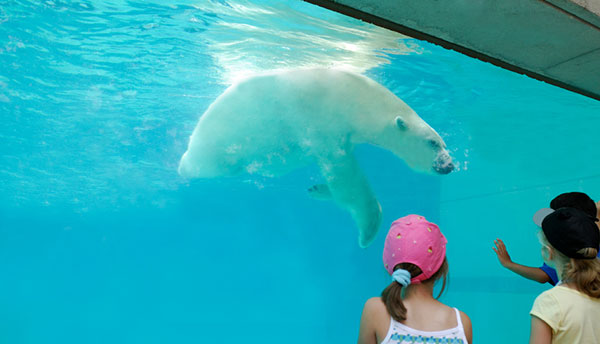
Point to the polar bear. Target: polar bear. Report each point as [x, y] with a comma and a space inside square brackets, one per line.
[272, 124]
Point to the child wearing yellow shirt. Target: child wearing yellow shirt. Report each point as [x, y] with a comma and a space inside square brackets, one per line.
[569, 312]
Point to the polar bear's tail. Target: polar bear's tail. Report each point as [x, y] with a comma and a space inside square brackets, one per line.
[198, 162]
[186, 169]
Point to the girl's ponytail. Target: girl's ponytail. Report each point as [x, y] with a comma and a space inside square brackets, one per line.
[584, 273]
[392, 297]
[392, 294]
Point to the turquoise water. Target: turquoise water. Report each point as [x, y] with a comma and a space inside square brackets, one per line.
[102, 242]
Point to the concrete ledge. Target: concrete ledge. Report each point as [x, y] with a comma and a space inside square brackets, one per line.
[555, 41]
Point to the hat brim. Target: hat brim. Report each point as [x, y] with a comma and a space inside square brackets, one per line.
[540, 215]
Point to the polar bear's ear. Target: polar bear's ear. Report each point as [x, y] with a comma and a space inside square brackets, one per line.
[400, 123]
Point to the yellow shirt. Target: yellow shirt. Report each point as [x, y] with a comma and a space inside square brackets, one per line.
[573, 316]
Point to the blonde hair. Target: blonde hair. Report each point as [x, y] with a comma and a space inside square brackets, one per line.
[392, 295]
[583, 273]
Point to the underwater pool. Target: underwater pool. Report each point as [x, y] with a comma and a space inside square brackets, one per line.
[101, 241]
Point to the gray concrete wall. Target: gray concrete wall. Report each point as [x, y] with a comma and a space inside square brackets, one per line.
[557, 41]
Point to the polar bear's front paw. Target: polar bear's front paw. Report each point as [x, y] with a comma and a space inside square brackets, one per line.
[370, 227]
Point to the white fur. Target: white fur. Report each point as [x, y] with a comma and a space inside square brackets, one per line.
[272, 124]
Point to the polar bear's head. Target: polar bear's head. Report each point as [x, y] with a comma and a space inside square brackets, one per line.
[419, 145]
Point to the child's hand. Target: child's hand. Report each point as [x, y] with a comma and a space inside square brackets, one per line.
[502, 254]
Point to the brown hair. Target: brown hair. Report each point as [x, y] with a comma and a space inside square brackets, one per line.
[392, 295]
[583, 273]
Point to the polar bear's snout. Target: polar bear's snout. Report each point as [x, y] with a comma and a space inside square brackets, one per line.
[443, 164]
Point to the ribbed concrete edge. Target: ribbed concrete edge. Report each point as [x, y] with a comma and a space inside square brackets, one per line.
[372, 19]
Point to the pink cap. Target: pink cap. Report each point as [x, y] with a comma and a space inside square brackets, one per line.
[413, 239]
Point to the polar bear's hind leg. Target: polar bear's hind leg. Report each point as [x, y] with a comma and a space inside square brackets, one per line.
[320, 191]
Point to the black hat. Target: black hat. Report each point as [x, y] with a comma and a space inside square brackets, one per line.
[577, 200]
[570, 230]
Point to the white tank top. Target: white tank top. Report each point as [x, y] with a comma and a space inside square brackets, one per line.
[400, 334]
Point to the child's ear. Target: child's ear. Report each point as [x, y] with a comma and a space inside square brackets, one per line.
[547, 253]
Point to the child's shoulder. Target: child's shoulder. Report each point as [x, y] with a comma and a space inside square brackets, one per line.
[466, 321]
[375, 303]
[375, 307]
[558, 292]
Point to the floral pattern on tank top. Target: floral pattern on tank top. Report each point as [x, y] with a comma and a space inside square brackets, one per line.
[405, 339]
[402, 334]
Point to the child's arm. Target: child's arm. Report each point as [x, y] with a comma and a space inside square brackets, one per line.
[367, 334]
[534, 274]
[541, 333]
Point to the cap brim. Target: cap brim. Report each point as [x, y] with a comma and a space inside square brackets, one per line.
[540, 215]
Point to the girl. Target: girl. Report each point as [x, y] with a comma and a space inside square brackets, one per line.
[415, 255]
[569, 312]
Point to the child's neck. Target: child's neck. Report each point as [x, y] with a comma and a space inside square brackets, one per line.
[420, 290]
[560, 269]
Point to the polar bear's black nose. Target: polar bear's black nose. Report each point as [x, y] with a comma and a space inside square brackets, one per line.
[443, 165]
[444, 169]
